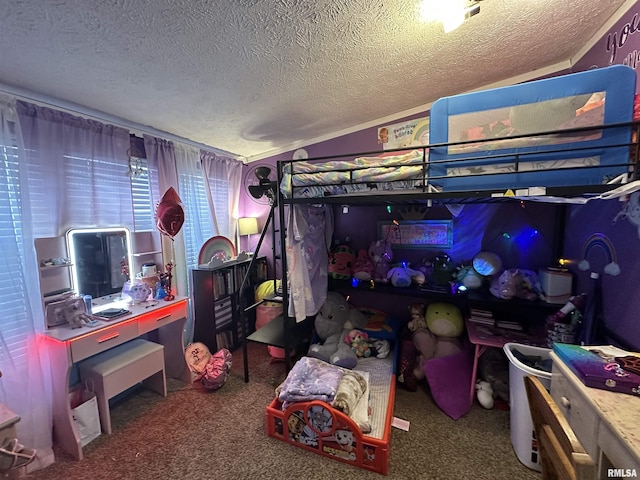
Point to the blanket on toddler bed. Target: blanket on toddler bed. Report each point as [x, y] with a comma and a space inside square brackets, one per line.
[313, 379]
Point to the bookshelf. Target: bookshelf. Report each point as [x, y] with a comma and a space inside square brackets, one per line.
[216, 301]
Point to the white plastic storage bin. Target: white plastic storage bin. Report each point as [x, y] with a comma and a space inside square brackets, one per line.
[522, 433]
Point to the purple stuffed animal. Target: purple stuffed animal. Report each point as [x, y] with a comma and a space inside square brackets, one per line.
[380, 254]
[516, 283]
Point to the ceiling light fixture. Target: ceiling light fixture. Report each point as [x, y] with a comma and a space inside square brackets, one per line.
[452, 13]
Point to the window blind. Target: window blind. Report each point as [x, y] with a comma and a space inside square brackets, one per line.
[198, 225]
[16, 326]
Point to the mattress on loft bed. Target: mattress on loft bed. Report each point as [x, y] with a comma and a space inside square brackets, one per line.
[510, 154]
[389, 172]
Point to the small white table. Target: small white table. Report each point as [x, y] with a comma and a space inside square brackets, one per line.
[159, 321]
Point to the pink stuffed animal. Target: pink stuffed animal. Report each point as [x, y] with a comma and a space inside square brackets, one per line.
[363, 267]
[380, 254]
[359, 342]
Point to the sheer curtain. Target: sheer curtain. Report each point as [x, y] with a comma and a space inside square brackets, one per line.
[25, 383]
[161, 158]
[223, 180]
[77, 171]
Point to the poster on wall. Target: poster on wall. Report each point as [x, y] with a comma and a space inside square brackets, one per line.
[411, 133]
[417, 233]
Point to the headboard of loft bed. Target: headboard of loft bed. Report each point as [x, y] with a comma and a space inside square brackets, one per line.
[524, 135]
[569, 131]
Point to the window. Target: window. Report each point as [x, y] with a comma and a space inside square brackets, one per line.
[144, 188]
[16, 324]
[198, 225]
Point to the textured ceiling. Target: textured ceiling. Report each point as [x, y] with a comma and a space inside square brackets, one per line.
[258, 77]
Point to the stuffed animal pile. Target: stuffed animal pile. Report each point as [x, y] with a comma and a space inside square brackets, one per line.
[365, 347]
[434, 333]
[342, 341]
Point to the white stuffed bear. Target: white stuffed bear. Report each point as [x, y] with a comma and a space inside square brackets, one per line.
[485, 394]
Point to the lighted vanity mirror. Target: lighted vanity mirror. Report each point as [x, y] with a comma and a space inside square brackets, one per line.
[100, 258]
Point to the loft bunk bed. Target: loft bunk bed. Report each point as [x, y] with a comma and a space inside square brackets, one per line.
[564, 139]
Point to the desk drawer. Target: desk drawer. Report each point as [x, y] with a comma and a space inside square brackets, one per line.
[579, 414]
[103, 339]
[159, 318]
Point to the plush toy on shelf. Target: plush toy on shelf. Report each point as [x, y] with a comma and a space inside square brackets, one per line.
[403, 276]
[443, 268]
[341, 260]
[516, 283]
[381, 255]
[363, 266]
[483, 266]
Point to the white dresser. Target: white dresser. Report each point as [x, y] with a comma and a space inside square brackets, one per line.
[606, 423]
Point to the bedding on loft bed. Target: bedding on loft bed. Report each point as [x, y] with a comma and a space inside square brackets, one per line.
[396, 171]
[571, 130]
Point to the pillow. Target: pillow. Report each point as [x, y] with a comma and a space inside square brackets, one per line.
[450, 382]
[169, 213]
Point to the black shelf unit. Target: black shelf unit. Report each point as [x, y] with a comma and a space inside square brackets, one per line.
[215, 293]
[529, 312]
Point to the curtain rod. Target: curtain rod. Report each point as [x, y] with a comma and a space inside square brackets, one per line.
[77, 109]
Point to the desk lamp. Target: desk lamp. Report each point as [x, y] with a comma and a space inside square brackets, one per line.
[248, 226]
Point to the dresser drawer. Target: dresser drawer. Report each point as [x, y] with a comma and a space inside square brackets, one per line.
[610, 444]
[161, 317]
[580, 415]
[103, 339]
[223, 312]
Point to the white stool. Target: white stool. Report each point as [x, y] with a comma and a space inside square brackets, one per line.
[122, 367]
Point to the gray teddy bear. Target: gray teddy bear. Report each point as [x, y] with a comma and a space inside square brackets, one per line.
[333, 322]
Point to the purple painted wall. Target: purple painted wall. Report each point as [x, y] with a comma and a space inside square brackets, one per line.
[480, 227]
[586, 224]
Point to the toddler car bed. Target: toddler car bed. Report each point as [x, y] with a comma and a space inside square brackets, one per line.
[359, 435]
[320, 427]
[572, 130]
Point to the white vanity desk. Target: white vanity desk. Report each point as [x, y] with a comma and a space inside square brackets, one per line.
[606, 423]
[162, 321]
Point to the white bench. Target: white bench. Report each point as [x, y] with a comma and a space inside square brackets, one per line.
[122, 367]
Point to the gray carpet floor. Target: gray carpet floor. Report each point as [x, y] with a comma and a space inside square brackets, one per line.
[198, 434]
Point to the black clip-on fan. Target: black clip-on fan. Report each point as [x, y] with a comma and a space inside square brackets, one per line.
[265, 187]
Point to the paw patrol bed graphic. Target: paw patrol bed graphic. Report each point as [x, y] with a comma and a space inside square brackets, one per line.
[299, 431]
[317, 427]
